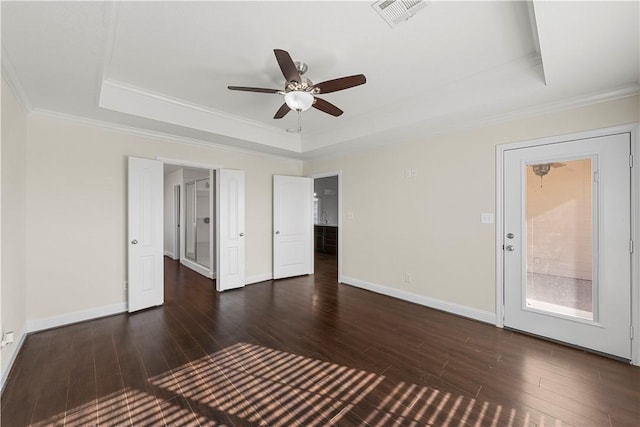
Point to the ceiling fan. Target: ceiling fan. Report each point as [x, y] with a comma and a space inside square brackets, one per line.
[542, 169]
[299, 92]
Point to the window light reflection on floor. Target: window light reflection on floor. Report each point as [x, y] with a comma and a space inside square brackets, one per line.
[263, 386]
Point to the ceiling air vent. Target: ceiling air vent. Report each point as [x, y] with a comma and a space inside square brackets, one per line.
[395, 12]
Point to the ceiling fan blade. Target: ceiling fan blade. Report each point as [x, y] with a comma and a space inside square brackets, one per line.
[253, 89]
[289, 70]
[341, 83]
[282, 111]
[558, 165]
[327, 107]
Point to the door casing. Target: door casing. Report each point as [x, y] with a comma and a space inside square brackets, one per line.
[635, 221]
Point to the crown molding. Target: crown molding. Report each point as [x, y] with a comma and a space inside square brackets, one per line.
[145, 133]
[360, 144]
[140, 102]
[11, 78]
[554, 107]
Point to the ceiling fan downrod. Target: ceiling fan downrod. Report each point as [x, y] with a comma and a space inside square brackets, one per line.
[299, 128]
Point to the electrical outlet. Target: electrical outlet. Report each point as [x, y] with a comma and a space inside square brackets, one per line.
[7, 338]
[407, 277]
[410, 173]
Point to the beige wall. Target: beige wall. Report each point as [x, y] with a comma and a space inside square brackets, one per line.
[429, 226]
[76, 210]
[13, 185]
[559, 218]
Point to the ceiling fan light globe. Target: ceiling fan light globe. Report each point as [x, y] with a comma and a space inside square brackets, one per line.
[298, 100]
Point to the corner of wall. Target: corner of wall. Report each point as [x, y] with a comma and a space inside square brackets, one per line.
[10, 352]
[12, 225]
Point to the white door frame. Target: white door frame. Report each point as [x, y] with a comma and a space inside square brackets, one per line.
[337, 173]
[635, 222]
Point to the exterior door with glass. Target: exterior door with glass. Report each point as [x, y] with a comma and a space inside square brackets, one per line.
[567, 242]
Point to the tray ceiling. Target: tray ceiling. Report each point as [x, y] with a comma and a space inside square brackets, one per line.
[165, 66]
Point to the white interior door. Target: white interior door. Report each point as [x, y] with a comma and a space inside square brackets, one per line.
[230, 229]
[145, 234]
[567, 261]
[292, 226]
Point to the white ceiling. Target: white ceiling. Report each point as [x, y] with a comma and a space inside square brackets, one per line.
[165, 66]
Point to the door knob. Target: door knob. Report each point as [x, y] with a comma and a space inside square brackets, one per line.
[277, 232]
[241, 234]
[134, 242]
[510, 248]
[510, 236]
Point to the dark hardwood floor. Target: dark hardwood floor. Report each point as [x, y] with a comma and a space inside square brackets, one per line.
[306, 351]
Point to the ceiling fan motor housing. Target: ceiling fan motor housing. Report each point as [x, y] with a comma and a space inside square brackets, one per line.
[305, 85]
[541, 169]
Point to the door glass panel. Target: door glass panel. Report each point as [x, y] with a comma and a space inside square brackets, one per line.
[190, 220]
[203, 222]
[559, 238]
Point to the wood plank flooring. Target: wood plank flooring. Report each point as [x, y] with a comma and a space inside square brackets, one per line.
[306, 352]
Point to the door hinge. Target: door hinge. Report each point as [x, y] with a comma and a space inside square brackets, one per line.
[630, 160]
[596, 175]
[630, 246]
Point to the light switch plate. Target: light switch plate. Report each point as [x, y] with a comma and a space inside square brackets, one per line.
[486, 218]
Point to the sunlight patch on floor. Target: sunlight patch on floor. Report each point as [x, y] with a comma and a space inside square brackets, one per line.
[269, 387]
[262, 385]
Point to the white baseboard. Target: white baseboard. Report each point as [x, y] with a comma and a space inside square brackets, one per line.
[169, 254]
[12, 357]
[197, 268]
[250, 280]
[75, 317]
[460, 310]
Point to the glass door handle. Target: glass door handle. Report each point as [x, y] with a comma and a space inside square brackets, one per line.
[510, 248]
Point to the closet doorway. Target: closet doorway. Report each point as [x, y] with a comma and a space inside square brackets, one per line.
[192, 217]
[151, 225]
